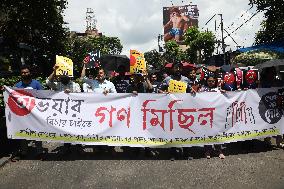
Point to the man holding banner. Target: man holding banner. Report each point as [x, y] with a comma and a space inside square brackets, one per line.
[28, 83]
[100, 84]
[179, 80]
[65, 84]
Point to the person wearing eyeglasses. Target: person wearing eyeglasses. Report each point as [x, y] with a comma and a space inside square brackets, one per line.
[211, 86]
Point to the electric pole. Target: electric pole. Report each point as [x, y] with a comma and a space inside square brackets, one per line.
[223, 42]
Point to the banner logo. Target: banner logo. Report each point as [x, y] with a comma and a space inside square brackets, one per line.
[269, 108]
[21, 102]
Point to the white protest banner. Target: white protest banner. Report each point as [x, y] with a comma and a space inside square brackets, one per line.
[153, 120]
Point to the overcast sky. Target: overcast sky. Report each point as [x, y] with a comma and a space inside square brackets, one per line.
[137, 23]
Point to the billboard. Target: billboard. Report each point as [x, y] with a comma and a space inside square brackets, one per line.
[177, 19]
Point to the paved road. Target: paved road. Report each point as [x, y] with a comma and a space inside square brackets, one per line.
[253, 168]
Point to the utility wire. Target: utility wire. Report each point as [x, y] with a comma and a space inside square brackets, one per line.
[240, 17]
[243, 24]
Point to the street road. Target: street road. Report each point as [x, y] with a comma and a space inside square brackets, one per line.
[256, 167]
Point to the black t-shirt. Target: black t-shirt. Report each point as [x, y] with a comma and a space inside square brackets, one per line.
[139, 87]
[121, 85]
[155, 86]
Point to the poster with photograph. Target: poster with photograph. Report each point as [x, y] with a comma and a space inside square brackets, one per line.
[177, 19]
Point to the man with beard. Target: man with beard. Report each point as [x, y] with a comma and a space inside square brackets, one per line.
[65, 84]
[192, 79]
[139, 84]
[99, 84]
[155, 83]
[28, 83]
[163, 88]
[91, 73]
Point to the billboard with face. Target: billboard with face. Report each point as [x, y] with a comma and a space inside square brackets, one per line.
[177, 20]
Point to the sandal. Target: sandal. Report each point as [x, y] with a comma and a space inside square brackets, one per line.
[221, 156]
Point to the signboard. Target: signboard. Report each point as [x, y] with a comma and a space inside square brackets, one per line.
[137, 62]
[177, 86]
[65, 66]
[92, 60]
[177, 19]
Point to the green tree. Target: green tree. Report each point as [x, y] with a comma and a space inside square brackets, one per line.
[155, 59]
[173, 52]
[273, 25]
[78, 47]
[253, 58]
[39, 24]
[199, 43]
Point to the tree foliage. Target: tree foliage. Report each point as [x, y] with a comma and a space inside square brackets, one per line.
[199, 43]
[79, 47]
[195, 40]
[155, 59]
[38, 24]
[273, 25]
[172, 51]
[253, 58]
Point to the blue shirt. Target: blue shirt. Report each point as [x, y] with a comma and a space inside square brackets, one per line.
[34, 84]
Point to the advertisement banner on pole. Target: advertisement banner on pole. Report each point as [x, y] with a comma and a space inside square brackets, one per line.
[177, 19]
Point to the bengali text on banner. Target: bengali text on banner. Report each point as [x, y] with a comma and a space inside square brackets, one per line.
[145, 120]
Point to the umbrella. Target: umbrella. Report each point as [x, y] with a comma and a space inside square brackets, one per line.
[112, 62]
[270, 63]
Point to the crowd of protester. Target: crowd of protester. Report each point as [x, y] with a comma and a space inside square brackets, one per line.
[198, 79]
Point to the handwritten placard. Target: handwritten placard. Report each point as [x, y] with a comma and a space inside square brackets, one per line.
[177, 86]
[137, 62]
[65, 66]
[92, 60]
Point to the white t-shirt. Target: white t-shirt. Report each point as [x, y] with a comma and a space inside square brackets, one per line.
[100, 87]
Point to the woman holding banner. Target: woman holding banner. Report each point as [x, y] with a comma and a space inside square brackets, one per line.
[211, 86]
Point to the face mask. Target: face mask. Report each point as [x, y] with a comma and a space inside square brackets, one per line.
[64, 80]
